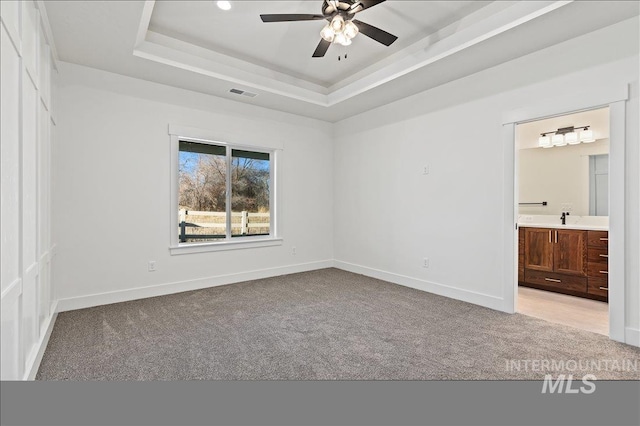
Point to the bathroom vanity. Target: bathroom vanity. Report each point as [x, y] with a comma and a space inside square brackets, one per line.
[570, 259]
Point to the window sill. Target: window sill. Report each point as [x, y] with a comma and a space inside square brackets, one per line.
[244, 243]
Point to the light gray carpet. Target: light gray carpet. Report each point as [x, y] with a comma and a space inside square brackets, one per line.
[326, 324]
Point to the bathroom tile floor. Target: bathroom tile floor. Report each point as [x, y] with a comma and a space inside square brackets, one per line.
[578, 312]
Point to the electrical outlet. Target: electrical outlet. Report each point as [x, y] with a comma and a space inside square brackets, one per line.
[425, 262]
[152, 266]
[569, 207]
[293, 250]
[425, 170]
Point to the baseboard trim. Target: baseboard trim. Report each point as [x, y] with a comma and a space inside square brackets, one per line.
[34, 364]
[632, 336]
[88, 301]
[428, 286]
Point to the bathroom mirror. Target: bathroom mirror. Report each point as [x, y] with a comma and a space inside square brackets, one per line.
[572, 178]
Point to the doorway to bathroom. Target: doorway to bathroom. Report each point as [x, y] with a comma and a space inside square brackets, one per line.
[562, 183]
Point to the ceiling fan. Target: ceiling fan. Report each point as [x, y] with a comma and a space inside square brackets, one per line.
[342, 26]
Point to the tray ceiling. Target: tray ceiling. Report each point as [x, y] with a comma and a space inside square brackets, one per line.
[286, 47]
[196, 46]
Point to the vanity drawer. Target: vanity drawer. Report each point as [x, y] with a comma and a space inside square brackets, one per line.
[598, 255]
[598, 286]
[598, 270]
[561, 281]
[598, 239]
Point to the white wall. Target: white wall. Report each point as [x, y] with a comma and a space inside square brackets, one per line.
[27, 138]
[455, 214]
[361, 178]
[558, 176]
[112, 195]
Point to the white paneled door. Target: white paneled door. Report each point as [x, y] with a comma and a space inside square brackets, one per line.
[26, 145]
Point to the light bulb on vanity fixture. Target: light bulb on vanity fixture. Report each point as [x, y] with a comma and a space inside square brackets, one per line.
[566, 136]
[586, 135]
[558, 140]
[544, 141]
[571, 138]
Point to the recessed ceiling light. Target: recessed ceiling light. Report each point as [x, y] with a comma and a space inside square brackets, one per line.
[224, 5]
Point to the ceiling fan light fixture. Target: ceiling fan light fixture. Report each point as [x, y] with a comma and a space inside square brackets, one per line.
[340, 39]
[337, 24]
[350, 30]
[327, 33]
[340, 29]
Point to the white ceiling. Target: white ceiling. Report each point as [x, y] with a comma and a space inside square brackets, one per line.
[196, 46]
[287, 47]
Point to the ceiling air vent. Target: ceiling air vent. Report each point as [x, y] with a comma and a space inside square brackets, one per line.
[243, 93]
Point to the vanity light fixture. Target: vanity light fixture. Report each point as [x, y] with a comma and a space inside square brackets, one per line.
[566, 136]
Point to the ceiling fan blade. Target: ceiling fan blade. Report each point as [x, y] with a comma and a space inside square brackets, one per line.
[283, 17]
[364, 4]
[375, 33]
[322, 48]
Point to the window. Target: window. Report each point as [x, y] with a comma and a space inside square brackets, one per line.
[599, 185]
[224, 195]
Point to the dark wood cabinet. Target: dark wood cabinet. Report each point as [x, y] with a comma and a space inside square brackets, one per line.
[567, 261]
[570, 252]
[538, 254]
[556, 250]
[598, 264]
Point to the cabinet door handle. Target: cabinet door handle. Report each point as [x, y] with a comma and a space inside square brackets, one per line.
[556, 236]
[604, 288]
[550, 235]
[552, 280]
[604, 255]
[604, 272]
[604, 239]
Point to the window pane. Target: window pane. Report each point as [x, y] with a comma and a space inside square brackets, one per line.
[202, 192]
[250, 210]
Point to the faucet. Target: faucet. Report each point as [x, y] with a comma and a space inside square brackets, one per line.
[564, 217]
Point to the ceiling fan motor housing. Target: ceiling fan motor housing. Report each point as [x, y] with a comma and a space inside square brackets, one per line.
[344, 8]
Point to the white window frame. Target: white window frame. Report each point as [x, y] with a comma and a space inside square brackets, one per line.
[177, 134]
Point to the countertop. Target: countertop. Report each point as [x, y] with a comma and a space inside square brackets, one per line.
[584, 223]
[576, 226]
